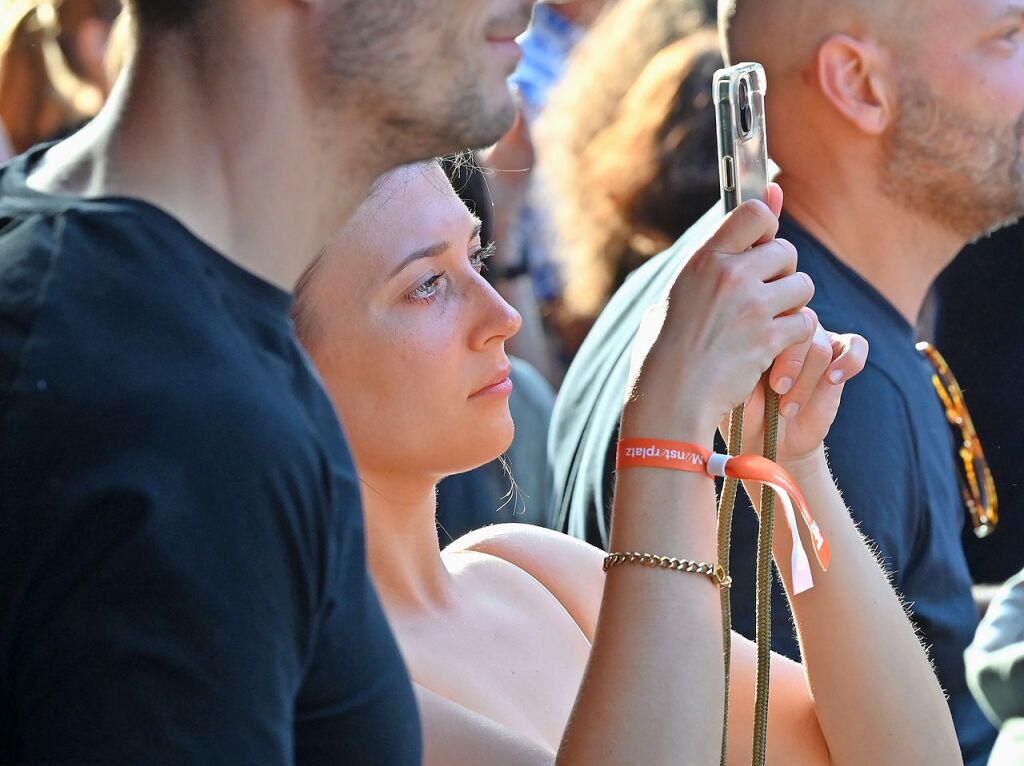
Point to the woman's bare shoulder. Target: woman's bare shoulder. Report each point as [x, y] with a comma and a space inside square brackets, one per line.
[569, 568]
[530, 547]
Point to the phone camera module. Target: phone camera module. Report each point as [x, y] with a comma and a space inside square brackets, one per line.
[746, 121]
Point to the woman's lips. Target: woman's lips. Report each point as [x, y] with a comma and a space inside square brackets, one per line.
[500, 385]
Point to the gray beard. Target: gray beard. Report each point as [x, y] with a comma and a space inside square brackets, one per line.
[966, 175]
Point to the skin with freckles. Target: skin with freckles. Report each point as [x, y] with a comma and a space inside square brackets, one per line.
[515, 638]
[427, 330]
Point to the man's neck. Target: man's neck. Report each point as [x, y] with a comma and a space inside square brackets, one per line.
[246, 168]
[898, 252]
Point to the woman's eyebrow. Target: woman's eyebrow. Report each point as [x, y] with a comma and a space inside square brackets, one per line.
[430, 251]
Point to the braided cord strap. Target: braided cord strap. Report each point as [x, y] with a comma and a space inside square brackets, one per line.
[726, 504]
[714, 572]
[764, 582]
[764, 573]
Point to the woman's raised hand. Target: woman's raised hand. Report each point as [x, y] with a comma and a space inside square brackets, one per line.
[810, 380]
[735, 307]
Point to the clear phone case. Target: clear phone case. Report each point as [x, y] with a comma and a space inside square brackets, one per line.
[742, 145]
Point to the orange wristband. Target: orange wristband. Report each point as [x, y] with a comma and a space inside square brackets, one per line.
[662, 453]
[681, 456]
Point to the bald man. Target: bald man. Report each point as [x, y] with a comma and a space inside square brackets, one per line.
[898, 129]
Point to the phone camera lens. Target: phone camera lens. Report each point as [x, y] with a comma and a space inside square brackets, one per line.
[746, 114]
[746, 120]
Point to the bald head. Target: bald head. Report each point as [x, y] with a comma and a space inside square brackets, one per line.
[784, 34]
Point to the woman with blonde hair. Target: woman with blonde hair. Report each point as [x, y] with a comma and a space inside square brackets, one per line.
[523, 651]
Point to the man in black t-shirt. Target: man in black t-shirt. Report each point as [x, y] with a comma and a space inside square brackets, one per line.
[892, 158]
[182, 565]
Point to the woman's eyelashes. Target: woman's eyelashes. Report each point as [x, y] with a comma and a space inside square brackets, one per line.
[1009, 38]
[429, 289]
[480, 256]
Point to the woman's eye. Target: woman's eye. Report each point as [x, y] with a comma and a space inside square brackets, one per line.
[1011, 35]
[477, 259]
[427, 289]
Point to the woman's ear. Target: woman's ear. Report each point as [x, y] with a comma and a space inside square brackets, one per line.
[858, 78]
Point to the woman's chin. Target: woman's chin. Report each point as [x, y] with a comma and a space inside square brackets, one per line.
[506, 442]
[498, 440]
[508, 432]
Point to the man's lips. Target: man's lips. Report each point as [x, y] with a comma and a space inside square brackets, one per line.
[506, 46]
[500, 383]
[501, 39]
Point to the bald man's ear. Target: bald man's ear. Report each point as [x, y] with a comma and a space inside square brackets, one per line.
[857, 78]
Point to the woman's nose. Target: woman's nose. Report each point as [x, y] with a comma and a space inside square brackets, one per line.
[498, 320]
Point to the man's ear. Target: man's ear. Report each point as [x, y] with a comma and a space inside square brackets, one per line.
[858, 79]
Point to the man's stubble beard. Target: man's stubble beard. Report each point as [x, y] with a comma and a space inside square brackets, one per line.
[964, 174]
[458, 114]
[377, 68]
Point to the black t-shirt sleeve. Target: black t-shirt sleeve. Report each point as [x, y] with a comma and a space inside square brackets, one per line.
[356, 704]
[875, 465]
[182, 565]
[157, 628]
[158, 631]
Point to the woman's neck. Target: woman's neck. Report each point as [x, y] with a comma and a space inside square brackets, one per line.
[401, 542]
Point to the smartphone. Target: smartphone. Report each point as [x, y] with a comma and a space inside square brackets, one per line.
[742, 145]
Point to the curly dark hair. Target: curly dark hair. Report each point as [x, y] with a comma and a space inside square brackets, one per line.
[629, 154]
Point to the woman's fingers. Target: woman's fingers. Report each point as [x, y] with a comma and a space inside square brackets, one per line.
[769, 260]
[733, 308]
[818, 405]
[812, 369]
[791, 332]
[787, 365]
[772, 198]
[751, 222]
[788, 294]
[849, 355]
[826, 358]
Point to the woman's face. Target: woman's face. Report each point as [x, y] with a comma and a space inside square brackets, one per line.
[408, 337]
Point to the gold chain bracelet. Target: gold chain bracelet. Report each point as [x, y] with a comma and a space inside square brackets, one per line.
[716, 572]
